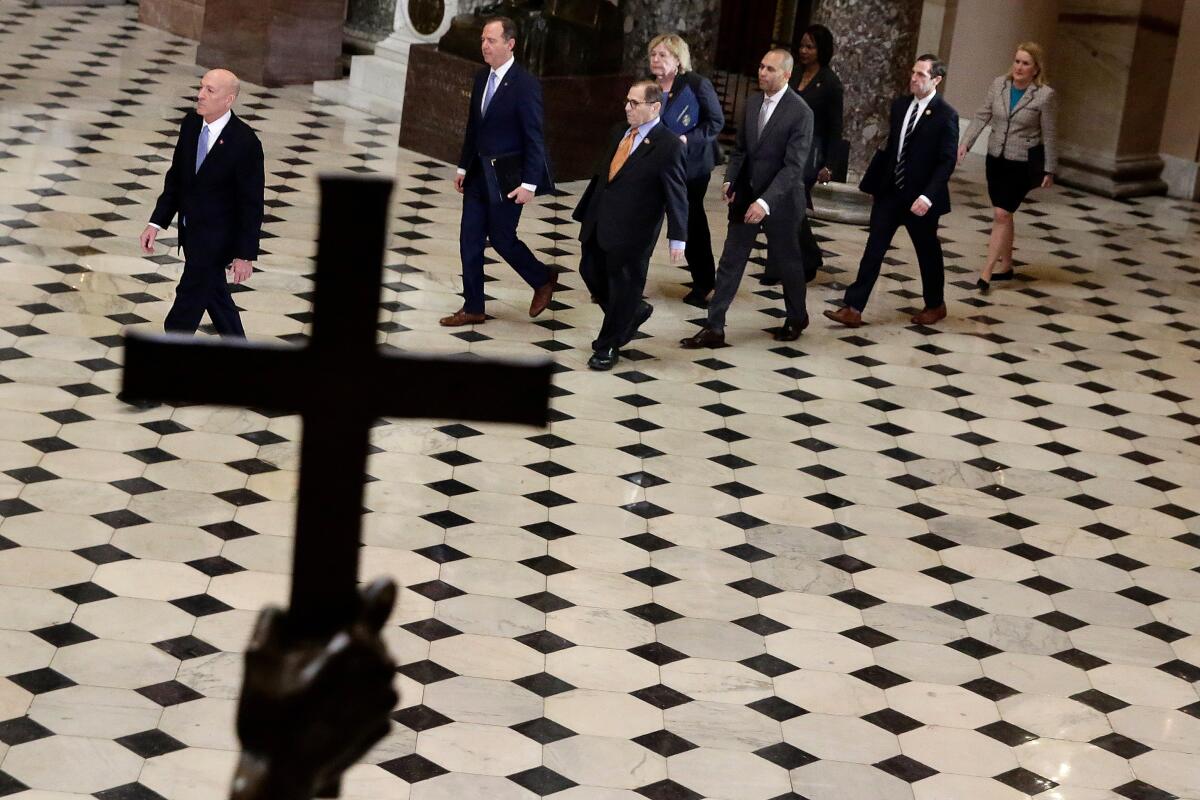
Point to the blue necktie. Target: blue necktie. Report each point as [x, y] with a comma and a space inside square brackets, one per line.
[202, 148]
[491, 90]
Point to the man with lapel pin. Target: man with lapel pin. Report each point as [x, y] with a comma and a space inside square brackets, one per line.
[909, 181]
[764, 189]
[215, 185]
[621, 213]
[503, 141]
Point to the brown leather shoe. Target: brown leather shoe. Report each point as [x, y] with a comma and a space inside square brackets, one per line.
[541, 298]
[850, 317]
[930, 315]
[707, 337]
[460, 318]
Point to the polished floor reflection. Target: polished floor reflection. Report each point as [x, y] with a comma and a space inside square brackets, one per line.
[896, 563]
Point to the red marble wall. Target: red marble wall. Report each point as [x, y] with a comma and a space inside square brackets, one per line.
[274, 42]
[181, 17]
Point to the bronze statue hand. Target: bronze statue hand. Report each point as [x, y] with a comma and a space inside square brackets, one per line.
[309, 707]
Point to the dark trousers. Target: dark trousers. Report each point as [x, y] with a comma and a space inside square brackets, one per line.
[783, 256]
[698, 251]
[484, 221]
[617, 281]
[888, 214]
[810, 251]
[204, 287]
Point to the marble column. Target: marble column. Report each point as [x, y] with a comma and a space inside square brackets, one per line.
[697, 21]
[273, 42]
[376, 82]
[1111, 67]
[181, 17]
[876, 45]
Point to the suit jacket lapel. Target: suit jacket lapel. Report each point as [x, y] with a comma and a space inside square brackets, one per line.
[752, 122]
[642, 149]
[775, 113]
[1025, 100]
[505, 81]
[923, 115]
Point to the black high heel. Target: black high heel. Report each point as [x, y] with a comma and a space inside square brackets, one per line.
[1003, 276]
[983, 286]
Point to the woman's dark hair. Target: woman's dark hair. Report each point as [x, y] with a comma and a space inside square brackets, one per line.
[823, 38]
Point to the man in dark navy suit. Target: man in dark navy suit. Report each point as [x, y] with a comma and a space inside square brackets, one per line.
[641, 177]
[909, 180]
[215, 185]
[504, 127]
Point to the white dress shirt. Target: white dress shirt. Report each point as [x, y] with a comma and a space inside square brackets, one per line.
[215, 128]
[214, 133]
[918, 106]
[773, 99]
[499, 72]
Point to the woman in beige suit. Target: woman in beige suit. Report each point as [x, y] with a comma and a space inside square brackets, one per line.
[1022, 150]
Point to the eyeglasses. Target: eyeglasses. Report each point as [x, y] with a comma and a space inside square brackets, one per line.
[629, 101]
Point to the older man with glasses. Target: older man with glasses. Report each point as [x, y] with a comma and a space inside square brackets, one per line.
[621, 211]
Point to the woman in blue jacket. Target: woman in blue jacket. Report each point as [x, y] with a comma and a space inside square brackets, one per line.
[693, 112]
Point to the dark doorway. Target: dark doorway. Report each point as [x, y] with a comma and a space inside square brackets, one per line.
[751, 27]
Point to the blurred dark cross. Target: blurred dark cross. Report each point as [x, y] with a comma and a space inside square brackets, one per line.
[340, 383]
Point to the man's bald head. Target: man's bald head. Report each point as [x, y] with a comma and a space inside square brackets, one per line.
[218, 89]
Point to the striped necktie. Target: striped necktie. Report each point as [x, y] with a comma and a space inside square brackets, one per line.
[902, 156]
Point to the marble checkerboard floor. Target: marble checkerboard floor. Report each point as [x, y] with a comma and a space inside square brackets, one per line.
[891, 564]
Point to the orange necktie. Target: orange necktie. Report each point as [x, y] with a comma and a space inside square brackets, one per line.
[622, 154]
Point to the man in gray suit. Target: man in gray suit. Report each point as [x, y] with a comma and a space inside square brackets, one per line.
[764, 188]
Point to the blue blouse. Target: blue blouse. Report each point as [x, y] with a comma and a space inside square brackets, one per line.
[1014, 97]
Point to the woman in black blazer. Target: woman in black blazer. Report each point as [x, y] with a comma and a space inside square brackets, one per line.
[822, 90]
[692, 111]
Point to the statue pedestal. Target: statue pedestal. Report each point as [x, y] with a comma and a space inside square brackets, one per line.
[438, 94]
[273, 42]
[377, 82]
[841, 202]
[181, 17]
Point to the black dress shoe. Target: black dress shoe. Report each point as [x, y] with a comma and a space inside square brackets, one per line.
[769, 280]
[791, 330]
[707, 337]
[141, 405]
[697, 298]
[639, 319]
[604, 360]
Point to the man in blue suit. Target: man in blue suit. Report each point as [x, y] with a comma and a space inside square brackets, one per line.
[504, 137]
